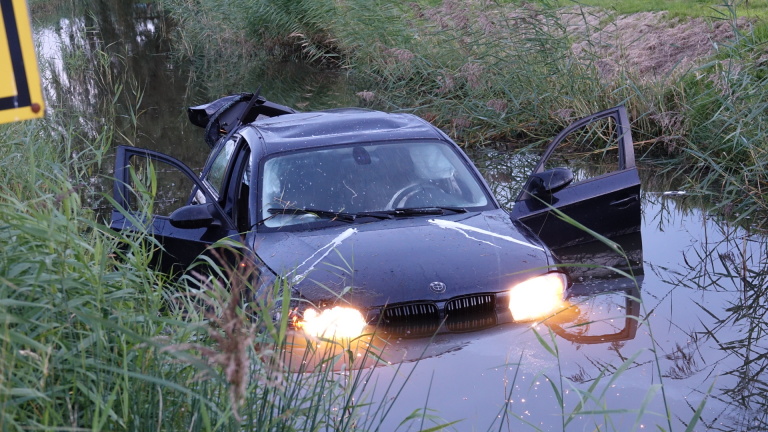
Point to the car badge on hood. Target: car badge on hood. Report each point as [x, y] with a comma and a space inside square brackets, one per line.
[437, 287]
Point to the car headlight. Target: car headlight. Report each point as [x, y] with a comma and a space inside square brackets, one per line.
[538, 297]
[339, 322]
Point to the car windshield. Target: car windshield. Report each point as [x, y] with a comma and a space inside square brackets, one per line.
[347, 183]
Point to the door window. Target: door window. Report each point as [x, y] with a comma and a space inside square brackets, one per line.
[155, 186]
[218, 167]
[600, 189]
[590, 151]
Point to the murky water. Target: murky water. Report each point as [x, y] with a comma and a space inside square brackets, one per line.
[691, 328]
[685, 337]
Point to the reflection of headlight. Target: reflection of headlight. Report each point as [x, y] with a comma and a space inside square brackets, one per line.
[340, 322]
[537, 297]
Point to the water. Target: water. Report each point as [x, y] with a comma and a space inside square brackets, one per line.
[696, 332]
[684, 340]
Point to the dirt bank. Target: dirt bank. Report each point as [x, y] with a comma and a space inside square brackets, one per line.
[647, 45]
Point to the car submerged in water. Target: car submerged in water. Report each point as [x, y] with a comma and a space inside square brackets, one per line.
[381, 216]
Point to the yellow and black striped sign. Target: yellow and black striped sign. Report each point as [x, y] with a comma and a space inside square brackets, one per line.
[21, 96]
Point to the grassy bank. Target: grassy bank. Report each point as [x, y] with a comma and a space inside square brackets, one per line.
[72, 315]
[519, 71]
[91, 338]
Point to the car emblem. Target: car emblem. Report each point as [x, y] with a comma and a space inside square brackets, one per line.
[437, 287]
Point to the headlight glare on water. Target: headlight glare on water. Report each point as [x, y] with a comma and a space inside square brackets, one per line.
[339, 322]
[538, 297]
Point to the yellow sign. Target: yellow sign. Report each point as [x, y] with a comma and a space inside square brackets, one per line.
[21, 96]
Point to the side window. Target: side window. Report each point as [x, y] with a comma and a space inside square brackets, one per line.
[215, 176]
[589, 151]
[242, 194]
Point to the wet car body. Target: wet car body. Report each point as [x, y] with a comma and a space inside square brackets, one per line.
[380, 211]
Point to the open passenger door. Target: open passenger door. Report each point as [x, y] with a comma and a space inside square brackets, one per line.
[603, 198]
[182, 229]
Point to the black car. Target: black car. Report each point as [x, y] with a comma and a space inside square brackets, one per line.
[381, 215]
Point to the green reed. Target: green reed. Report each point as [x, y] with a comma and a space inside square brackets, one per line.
[728, 145]
[91, 337]
[64, 292]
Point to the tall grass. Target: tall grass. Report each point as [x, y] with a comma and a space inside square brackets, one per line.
[727, 103]
[92, 338]
[296, 29]
[72, 313]
[481, 72]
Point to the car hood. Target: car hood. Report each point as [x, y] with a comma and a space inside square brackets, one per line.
[394, 261]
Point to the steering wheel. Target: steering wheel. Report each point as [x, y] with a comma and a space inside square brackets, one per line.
[401, 197]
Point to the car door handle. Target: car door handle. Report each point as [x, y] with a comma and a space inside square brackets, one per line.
[625, 202]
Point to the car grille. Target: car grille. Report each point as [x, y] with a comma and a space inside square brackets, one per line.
[411, 312]
[472, 312]
[470, 305]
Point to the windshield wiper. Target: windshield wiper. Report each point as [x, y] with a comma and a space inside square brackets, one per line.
[352, 217]
[327, 214]
[415, 211]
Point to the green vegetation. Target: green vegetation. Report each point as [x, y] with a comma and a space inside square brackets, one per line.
[91, 338]
[72, 314]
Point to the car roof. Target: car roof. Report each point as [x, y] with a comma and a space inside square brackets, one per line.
[339, 126]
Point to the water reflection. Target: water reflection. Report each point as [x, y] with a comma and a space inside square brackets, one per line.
[693, 314]
[605, 298]
[734, 262]
[606, 317]
[110, 63]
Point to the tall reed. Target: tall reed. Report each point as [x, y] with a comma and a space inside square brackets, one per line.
[74, 309]
[92, 338]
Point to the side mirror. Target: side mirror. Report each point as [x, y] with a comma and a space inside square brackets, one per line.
[548, 182]
[193, 216]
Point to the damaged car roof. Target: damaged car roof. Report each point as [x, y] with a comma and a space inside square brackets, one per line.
[340, 126]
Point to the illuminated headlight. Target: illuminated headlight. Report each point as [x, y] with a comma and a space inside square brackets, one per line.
[537, 297]
[339, 322]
